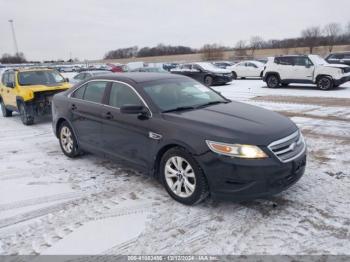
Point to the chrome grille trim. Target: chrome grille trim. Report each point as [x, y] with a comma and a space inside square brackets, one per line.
[288, 148]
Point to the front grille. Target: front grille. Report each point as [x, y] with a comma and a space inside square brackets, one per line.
[288, 148]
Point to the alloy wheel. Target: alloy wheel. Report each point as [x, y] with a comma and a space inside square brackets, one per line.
[67, 139]
[325, 83]
[180, 176]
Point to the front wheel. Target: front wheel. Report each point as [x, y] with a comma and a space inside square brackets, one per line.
[234, 75]
[68, 141]
[4, 110]
[208, 80]
[273, 81]
[26, 117]
[182, 177]
[325, 83]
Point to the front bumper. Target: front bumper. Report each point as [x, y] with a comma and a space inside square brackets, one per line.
[239, 179]
[222, 79]
[342, 80]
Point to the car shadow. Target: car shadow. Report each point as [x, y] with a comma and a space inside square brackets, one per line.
[309, 87]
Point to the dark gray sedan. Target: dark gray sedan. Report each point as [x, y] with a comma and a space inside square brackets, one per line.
[194, 140]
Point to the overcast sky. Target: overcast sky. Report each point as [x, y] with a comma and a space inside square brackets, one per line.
[87, 29]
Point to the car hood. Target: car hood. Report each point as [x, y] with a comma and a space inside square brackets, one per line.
[41, 88]
[234, 122]
[336, 65]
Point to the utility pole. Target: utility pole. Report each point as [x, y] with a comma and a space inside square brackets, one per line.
[14, 36]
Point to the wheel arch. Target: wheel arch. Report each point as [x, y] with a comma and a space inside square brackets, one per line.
[269, 73]
[323, 75]
[58, 124]
[162, 150]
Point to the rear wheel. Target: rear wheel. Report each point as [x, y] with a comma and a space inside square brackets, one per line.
[4, 110]
[208, 80]
[325, 83]
[68, 141]
[273, 81]
[182, 177]
[26, 117]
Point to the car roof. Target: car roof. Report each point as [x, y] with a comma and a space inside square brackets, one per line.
[139, 77]
[29, 69]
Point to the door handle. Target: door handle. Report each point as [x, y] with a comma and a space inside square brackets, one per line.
[107, 115]
[73, 107]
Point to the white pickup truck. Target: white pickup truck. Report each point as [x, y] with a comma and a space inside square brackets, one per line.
[305, 69]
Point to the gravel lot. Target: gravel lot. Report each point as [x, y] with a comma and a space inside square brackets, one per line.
[50, 204]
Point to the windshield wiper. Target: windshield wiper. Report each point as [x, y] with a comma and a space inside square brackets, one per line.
[180, 108]
[212, 103]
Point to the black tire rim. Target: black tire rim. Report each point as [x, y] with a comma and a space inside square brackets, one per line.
[208, 81]
[325, 83]
[273, 81]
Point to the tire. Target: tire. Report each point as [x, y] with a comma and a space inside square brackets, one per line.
[68, 142]
[285, 84]
[273, 81]
[234, 75]
[4, 110]
[325, 83]
[208, 80]
[26, 117]
[186, 184]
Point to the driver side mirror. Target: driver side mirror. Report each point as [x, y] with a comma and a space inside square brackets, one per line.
[67, 80]
[308, 66]
[133, 110]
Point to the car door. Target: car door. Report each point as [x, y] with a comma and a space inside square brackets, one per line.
[303, 69]
[126, 136]
[285, 67]
[86, 114]
[240, 69]
[253, 70]
[9, 89]
[197, 73]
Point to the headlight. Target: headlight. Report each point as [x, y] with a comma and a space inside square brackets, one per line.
[236, 150]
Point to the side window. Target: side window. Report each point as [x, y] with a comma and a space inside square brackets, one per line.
[5, 79]
[11, 78]
[286, 60]
[79, 93]
[196, 67]
[252, 65]
[123, 95]
[79, 76]
[94, 91]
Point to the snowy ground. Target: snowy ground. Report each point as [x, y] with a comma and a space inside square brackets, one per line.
[50, 204]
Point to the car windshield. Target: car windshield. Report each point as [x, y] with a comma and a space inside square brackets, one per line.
[318, 60]
[46, 77]
[181, 94]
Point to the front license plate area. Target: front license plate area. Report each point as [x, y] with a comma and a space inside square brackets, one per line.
[299, 164]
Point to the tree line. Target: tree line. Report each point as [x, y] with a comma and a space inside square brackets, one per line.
[330, 35]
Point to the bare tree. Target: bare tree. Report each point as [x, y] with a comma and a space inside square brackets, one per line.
[256, 42]
[212, 52]
[332, 32]
[241, 49]
[311, 37]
